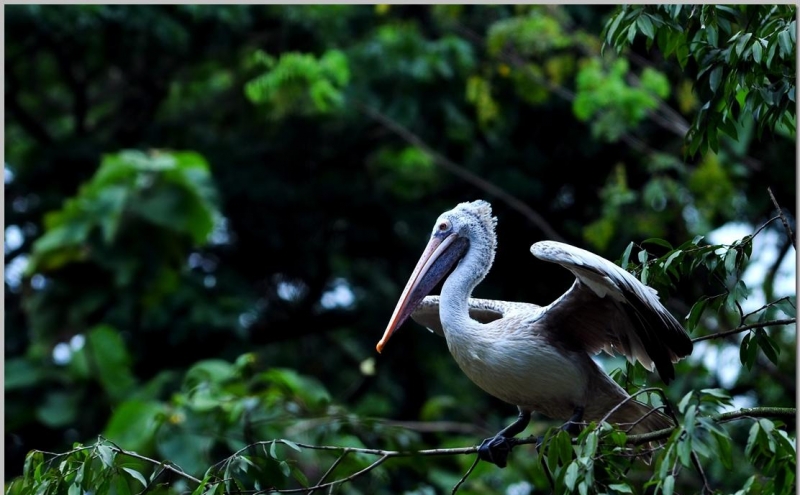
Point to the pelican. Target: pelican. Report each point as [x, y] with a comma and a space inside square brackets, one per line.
[539, 358]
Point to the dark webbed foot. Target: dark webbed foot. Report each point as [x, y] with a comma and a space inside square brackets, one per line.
[495, 450]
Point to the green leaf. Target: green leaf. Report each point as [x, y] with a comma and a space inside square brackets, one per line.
[109, 354]
[757, 51]
[299, 476]
[645, 25]
[619, 438]
[658, 242]
[571, 476]
[785, 41]
[291, 444]
[612, 28]
[136, 474]
[724, 449]
[696, 312]
[715, 78]
[621, 488]
[121, 485]
[272, 452]
[684, 402]
[768, 345]
[787, 305]
[285, 468]
[672, 258]
[626, 256]
[59, 408]
[752, 440]
[668, 488]
[730, 261]
[711, 35]
[106, 455]
[133, 424]
[742, 43]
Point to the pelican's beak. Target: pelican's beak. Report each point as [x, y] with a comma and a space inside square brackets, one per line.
[440, 255]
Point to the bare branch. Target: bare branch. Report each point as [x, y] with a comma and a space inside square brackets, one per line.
[463, 173]
[743, 328]
[466, 475]
[330, 470]
[762, 308]
[699, 467]
[783, 217]
[437, 427]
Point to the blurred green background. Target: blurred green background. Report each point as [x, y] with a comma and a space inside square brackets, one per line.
[211, 211]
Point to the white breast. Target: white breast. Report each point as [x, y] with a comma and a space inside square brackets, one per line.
[520, 368]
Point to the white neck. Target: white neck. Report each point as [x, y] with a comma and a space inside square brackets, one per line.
[457, 289]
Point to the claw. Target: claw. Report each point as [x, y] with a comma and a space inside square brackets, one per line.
[495, 450]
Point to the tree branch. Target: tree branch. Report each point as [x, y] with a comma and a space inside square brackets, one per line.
[160, 464]
[384, 455]
[783, 217]
[29, 123]
[463, 173]
[770, 323]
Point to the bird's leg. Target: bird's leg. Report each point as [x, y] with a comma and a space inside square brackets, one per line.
[497, 448]
[572, 426]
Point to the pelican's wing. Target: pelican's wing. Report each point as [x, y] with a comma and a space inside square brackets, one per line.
[608, 309]
[481, 310]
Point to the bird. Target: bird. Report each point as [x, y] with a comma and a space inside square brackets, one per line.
[540, 358]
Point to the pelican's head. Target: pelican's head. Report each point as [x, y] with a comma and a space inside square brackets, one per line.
[468, 224]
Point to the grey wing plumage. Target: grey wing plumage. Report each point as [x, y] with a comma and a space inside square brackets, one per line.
[481, 310]
[608, 309]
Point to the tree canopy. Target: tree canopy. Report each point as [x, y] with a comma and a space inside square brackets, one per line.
[211, 210]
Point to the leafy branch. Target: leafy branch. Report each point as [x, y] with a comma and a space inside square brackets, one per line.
[222, 476]
[772, 323]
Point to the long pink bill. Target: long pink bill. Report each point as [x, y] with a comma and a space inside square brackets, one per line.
[439, 257]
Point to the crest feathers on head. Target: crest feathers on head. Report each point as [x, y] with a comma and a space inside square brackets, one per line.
[483, 210]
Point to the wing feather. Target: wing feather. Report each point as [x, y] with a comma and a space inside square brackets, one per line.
[480, 310]
[608, 309]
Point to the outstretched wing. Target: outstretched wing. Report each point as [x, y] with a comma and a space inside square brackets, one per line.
[608, 309]
[481, 310]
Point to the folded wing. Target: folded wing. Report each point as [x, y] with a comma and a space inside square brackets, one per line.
[480, 310]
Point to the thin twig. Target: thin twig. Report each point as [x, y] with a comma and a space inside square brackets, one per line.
[466, 475]
[632, 396]
[764, 226]
[330, 469]
[743, 328]
[161, 464]
[762, 308]
[783, 217]
[699, 467]
[745, 413]
[461, 172]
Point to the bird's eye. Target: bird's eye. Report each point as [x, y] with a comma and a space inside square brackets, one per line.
[444, 226]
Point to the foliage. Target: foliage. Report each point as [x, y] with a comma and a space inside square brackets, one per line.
[205, 320]
[619, 106]
[744, 58]
[284, 86]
